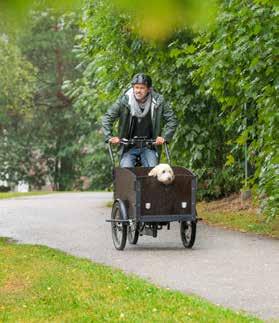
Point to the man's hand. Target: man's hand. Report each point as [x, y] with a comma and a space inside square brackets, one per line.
[159, 141]
[114, 140]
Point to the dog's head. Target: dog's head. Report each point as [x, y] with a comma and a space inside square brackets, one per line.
[163, 172]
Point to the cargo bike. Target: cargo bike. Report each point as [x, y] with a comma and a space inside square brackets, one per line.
[143, 205]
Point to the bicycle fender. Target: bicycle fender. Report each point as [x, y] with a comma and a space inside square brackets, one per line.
[123, 211]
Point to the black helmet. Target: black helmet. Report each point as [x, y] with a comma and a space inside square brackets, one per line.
[142, 78]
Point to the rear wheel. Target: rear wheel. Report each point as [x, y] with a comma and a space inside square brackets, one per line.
[118, 229]
[188, 233]
[133, 233]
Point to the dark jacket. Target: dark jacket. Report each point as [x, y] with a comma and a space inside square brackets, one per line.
[164, 121]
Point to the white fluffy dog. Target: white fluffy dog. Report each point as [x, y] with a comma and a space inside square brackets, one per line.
[163, 172]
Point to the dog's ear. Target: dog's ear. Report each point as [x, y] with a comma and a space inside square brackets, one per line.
[171, 173]
[153, 172]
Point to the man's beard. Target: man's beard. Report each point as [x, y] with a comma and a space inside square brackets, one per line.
[140, 98]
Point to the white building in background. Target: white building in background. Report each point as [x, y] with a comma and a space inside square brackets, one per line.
[22, 187]
[4, 183]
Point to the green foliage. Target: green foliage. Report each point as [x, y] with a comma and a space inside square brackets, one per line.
[48, 43]
[110, 52]
[237, 64]
[42, 132]
[17, 83]
[160, 18]
[18, 9]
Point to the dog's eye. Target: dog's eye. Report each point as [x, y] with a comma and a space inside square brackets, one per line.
[164, 171]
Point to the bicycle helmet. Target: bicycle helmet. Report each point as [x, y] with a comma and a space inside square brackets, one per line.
[142, 78]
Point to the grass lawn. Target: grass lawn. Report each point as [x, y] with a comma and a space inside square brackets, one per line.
[19, 194]
[39, 284]
[240, 215]
[34, 193]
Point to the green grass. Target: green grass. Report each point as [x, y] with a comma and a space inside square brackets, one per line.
[19, 194]
[109, 204]
[246, 220]
[34, 193]
[39, 284]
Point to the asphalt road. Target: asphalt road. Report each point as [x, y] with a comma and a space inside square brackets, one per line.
[236, 270]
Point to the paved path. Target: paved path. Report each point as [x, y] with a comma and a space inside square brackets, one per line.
[240, 271]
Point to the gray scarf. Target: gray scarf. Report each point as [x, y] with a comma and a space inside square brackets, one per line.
[139, 109]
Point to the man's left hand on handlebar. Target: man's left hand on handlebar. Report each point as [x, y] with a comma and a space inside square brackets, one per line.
[159, 141]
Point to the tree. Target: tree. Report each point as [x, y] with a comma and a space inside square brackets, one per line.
[237, 64]
[17, 83]
[48, 44]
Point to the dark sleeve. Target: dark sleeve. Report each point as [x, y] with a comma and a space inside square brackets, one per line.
[110, 116]
[170, 121]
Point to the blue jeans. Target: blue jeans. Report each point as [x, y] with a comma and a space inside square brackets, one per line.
[149, 157]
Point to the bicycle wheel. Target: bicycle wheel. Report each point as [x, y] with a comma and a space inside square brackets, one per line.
[188, 233]
[118, 229]
[133, 233]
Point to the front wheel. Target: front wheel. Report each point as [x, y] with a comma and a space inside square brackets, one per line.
[118, 229]
[188, 233]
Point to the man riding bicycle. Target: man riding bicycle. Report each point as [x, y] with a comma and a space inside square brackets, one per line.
[141, 112]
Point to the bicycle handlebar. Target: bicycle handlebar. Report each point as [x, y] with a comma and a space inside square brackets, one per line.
[141, 141]
[137, 140]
